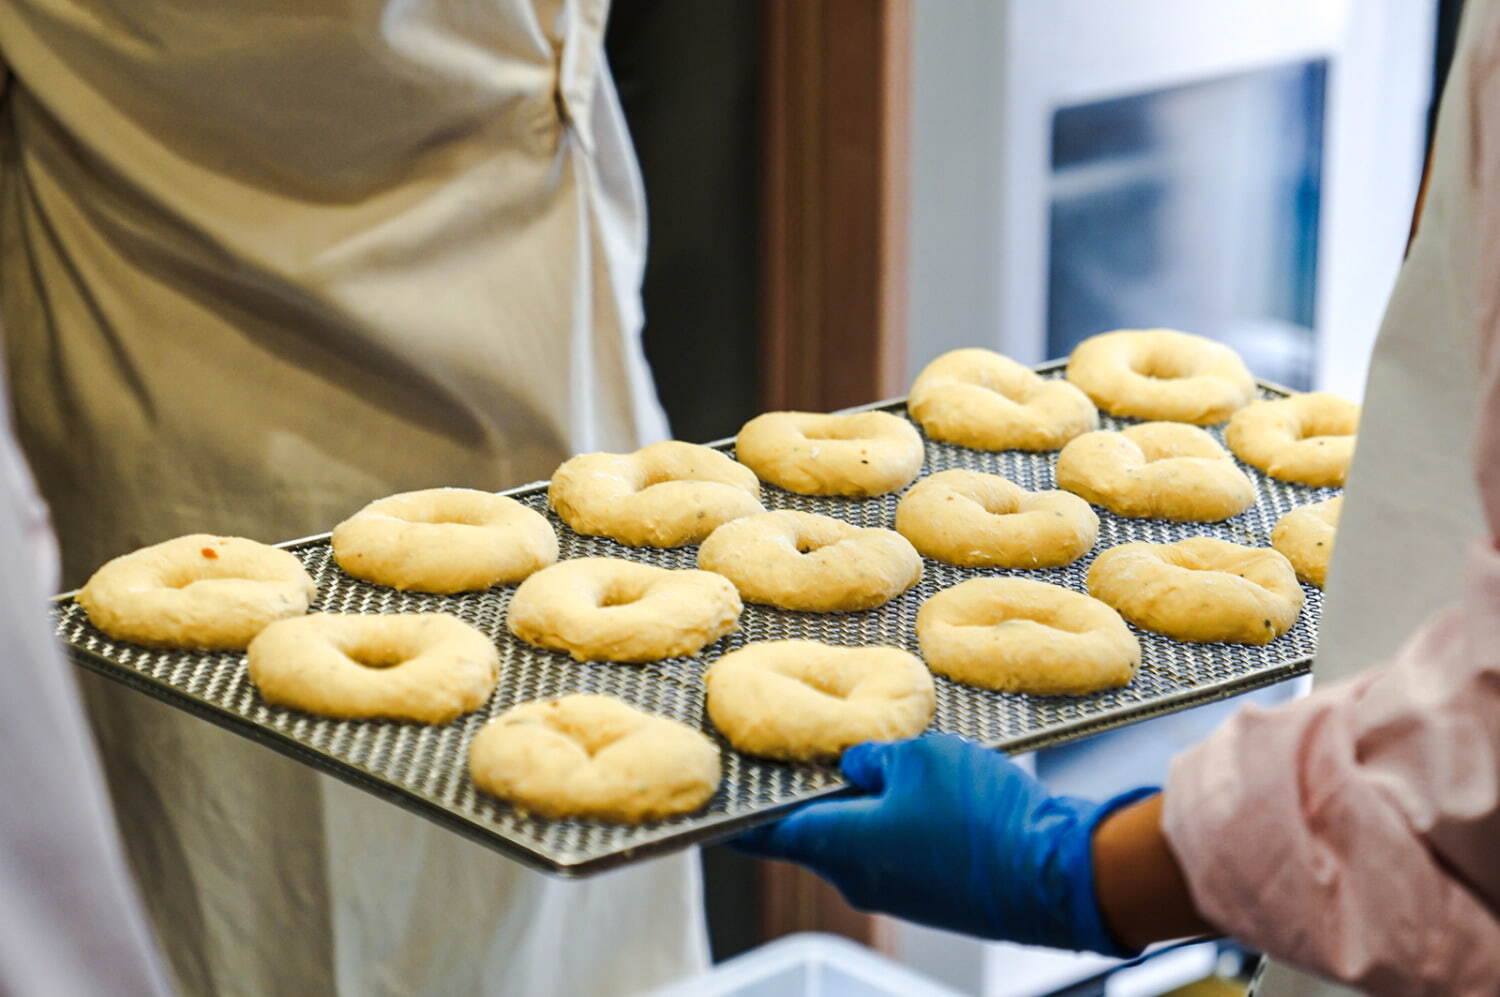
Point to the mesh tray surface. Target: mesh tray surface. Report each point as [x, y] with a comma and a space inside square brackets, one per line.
[424, 768]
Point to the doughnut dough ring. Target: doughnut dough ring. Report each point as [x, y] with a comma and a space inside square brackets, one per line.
[1305, 536]
[197, 593]
[816, 564]
[665, 495]
[444, 540]
[591, 756]
[1156, 470]
[799, 700]
[610, 609]
[1200, 590]
[427, 667]
[1306, 439]
[980, 399]
[1162, 374]
[1019, 635]
[856, 454]
[986, 521]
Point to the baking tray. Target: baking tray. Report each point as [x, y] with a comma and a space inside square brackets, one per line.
[423, 768]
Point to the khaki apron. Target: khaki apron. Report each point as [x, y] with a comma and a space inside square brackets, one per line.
[260, 264]
[1411, 498]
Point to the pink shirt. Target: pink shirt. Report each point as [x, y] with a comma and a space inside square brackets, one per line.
[1357, 832]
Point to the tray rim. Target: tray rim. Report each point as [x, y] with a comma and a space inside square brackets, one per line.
[709, 830]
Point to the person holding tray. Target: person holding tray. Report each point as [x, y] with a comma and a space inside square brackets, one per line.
[259, 267]
[1352, 833]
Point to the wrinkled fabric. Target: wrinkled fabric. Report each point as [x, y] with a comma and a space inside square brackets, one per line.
[259, 265]
[70, 919]
[1353, 833]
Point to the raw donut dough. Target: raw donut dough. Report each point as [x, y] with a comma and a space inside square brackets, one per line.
[803, 561]
[1156, 470]
[1305, 536]
[198, 592]
[798, 700]
[1161, 374]
[986, 521]
[594, 757]
[980, 399]
[1019, 635]
[1307, 439]
[1200, 590]
[444, 540]
[427, 667]
[856, 454]
[664, 495]
[610, 609]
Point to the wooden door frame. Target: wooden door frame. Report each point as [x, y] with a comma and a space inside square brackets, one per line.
[835, 110]
[835, 138]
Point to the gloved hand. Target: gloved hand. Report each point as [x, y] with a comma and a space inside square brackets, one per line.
[955, 836]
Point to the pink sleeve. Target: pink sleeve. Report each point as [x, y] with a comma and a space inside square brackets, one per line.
[1354, 832]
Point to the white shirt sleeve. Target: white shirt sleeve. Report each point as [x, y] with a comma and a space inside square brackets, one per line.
[70, 919]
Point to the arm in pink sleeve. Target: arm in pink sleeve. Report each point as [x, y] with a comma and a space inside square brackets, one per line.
[1355, 832]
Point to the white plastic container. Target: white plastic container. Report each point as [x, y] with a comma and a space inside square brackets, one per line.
[809, 964]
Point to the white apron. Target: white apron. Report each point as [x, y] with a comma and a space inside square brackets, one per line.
[260, 264]
[1411, 499]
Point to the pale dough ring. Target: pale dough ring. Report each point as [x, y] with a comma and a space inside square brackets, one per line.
[978, 398]
[1156, 470]
[610, 609]
[817, 564]
[799, 700]
[1305, 535]
[854, 454]
[590, 756]
[1162, 374]
[197, 592]
[986, 521]
[1019, 635]
[1200, 590]
[444, 540]
[664, 495]
[1306, 439]
[426, 667]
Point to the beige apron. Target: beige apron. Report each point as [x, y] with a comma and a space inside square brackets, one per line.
[259, 264]
[1412, 505]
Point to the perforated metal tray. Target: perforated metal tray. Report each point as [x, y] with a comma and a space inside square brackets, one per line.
[424, 768]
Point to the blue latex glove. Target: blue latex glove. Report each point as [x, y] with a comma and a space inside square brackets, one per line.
[956, 836]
